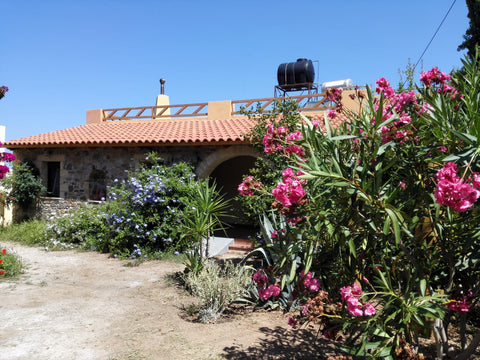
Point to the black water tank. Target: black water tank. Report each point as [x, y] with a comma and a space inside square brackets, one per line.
[296, 75]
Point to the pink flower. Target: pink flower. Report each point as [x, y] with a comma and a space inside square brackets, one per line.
[451, 191]
[460, 306]
[404, 119]
[350, 291]
[263, 293]
[332, 114]
[7, 157]
[448, 172]
[384, 86]
[244, 190]
[296, 192]
[274, 289]
[248, 185]
[368, 309]
[356, 290]
[309, 281]
[346, 292]
[334, 94]
[288, 173]
[400, 134]
[458, 196]
[260, 279]
[476, 180]
[425, 108]
[295, 149]
[281, 194]
[403, 99]
[292, 322]
[351, 295]
[297, 135]
[434, 77]
[354, 307]
[305, 308]
[314, 285]
[272, 140]
[289, 191]
[267, 293]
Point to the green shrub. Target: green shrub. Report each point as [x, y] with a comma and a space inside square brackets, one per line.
[142, 217]
[82, 228]
[388, 197]
[145, 213]
[24, 186]
[218, 287]
[27, 233]
[10, 264]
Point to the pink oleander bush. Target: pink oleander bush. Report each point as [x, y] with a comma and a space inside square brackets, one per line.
[390, 195]
[5, 158]
[3, 91]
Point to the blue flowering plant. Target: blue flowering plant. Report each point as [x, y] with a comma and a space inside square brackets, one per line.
[146, 211]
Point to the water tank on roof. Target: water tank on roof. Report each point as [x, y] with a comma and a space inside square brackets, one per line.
[337, 84]
[297, 75]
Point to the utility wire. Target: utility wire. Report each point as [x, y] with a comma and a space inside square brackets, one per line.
[435, 34]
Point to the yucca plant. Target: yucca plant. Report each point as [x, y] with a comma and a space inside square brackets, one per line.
[208, 209]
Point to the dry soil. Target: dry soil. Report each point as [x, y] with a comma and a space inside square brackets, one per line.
[73, 305]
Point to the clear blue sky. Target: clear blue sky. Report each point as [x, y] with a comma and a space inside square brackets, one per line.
[62, 57]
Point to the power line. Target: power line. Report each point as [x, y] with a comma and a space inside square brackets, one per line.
[435, 34]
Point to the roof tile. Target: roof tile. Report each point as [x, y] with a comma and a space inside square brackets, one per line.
[145, 132]
[175, 131]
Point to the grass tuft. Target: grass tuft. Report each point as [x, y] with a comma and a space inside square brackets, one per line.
[30, 233]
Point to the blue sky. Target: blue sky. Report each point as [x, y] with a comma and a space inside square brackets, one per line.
[60, 58]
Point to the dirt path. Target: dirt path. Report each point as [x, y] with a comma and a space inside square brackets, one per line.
[72, 305]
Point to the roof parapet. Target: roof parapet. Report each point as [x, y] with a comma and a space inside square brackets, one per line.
[216, 110]
[220, 110]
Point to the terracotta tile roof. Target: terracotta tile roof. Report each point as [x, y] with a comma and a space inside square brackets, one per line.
[142, 132]
[147, 132]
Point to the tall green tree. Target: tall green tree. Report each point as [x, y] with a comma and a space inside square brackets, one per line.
[472, 35]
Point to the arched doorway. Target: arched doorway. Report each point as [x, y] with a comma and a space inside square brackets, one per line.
[228, 167]
[228, 175]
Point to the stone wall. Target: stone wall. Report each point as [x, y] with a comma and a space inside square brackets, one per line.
[83, 169]
[55, 207]
[86, 173]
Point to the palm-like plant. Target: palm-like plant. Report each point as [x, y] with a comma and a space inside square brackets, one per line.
[208, 208]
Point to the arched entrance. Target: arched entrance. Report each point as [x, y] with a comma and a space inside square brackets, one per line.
[228, 167]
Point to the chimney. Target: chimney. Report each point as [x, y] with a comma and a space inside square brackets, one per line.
[162, 100]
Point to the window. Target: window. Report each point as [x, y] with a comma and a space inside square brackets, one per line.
[53, 178]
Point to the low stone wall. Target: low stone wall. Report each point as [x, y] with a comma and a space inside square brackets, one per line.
[46, 208]
[53, 207]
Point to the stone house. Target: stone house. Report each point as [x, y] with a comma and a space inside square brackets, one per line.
[79, 163]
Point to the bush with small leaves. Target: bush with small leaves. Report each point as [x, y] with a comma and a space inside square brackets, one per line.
[218, 287]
